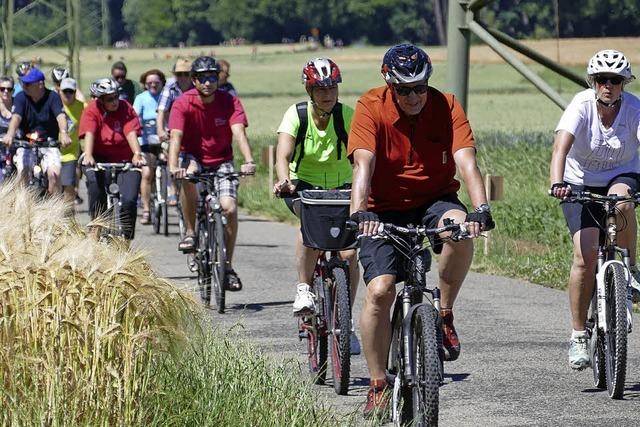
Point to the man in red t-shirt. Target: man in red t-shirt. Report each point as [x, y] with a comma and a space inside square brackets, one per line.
[406, 140]
[110, 130]
[203, 122]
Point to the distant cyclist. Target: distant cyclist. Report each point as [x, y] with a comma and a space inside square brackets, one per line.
[110, 129]
[22, 68]
[596, 149]
[60, 73]
[73, 109]
[224, 84]
[203, 123]
[6, 102]
[316, 159]
[146, 105]
[126, 86]
[38, 110]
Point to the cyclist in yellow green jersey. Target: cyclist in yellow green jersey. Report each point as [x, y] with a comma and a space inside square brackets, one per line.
[73, 109]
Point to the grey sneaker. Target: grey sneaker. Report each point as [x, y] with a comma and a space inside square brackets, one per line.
[635, 283]
[579, 352]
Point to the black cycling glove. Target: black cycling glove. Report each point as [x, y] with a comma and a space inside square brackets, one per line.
[362, 216]
[484, 218]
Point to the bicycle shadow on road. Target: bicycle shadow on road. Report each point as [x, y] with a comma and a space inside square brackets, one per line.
[455, 378]
[258, 306]
[257, 245]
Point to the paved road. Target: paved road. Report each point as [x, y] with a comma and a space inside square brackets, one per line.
[513, 368]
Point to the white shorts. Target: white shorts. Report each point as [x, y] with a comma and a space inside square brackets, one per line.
[25, 159]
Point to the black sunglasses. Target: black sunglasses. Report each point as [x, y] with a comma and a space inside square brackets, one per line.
[182, 74]
[68, 91]
[6, 89]
[615, 80]
[213, 78]
[406, 90]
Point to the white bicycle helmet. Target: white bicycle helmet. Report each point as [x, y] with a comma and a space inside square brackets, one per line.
[59, 73]
[105, 86]
[609, 61]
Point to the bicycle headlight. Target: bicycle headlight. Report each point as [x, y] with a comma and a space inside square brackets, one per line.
[114, 188]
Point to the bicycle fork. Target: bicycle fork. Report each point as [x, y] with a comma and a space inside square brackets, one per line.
[601, 292]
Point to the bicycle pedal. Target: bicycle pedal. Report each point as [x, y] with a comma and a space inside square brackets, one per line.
[303, 335]
[302, 313]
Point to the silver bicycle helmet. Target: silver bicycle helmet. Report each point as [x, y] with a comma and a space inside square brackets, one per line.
[59, 73]
[106, 86]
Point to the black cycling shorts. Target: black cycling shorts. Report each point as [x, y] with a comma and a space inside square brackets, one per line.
[379, 257]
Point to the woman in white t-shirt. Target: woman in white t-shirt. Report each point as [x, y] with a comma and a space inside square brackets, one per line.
[596, 149]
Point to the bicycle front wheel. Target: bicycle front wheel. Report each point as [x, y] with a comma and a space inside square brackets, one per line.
[218, 260]
[317, 343]
[164, 208]
[615, 342]
[341, 330]
[596, 348]
[203, 262]
[421, 400]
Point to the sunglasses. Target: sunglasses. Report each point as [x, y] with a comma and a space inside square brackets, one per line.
[615, 80]
[406, 90]
[6, 89]
[109, 99]
[182, 74]
[154, 82]
[68, 91]
[204, 79]
[120, 77]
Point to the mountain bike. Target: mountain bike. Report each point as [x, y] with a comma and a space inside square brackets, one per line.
[610, 315]
[210, 258]
[323, 216]
[115, 228]
[415, 362]
[7, 169]
[34, 148]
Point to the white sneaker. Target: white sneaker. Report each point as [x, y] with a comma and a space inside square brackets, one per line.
[579, 352]
[305, 301]
[635, 283]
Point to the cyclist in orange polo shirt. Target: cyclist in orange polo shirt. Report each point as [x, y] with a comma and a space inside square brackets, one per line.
[406, 140]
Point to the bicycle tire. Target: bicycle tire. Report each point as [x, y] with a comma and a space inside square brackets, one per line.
[340, 322]
[616, 336]
[318, 343]
[202, 258]
[421, 400]
[164, 182]
[181, 225]
[218, 261]
[596, 349]
[155, 213]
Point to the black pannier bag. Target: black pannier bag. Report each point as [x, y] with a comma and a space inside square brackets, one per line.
[323, 214]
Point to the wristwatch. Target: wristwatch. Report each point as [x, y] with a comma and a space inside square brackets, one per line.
[483, 208]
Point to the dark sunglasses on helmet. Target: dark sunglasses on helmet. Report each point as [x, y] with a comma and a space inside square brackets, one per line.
[406, 90]
[615, 80]
[211, 78]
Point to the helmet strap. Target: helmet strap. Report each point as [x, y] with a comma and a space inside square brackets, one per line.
[613, 104]
[323, 114]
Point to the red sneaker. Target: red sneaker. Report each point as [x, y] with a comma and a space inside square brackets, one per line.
[377, 400]
[450, 341]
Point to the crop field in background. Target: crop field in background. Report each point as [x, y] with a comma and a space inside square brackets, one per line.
[512, 121]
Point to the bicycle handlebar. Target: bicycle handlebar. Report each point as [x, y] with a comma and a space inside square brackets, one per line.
[577, 196]
[25, 143]
[459, 230]
[117, 166]
[204, 176]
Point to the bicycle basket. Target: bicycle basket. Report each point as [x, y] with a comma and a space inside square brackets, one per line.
[323, 214]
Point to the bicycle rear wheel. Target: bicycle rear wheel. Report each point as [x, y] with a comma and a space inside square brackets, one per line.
[615, 343]
[203, 261]
[218, 260]
[340, 330]
[421, 399]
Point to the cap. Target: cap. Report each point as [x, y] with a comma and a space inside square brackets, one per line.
[34, 75]
[182, 66]
[68, 83]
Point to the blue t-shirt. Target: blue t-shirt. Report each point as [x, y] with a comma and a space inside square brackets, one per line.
[39, 116]
[146, 106]
[17, 88]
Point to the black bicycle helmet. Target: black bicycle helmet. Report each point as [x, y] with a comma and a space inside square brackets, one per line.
[406, 63]
[204, 64]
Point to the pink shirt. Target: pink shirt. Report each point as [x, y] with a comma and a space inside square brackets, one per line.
[206, 128]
